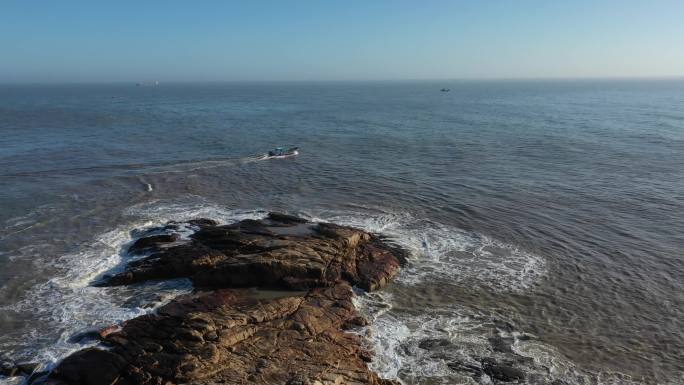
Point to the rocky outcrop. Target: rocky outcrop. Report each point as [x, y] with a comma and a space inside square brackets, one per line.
[278, 252]
[228, 336]
[227, 332]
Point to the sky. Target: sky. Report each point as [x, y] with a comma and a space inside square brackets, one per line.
[105, 41]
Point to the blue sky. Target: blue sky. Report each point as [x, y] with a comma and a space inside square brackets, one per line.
[84, 41]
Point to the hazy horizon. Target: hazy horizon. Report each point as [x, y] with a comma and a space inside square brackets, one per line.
[407, 80]
[127, 42]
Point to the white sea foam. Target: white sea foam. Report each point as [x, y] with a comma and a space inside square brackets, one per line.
[459, 336]
[11, 380]
[447, 252]
[395, 337]
[451, 254]
[68, 304]
[159, 212]
[25, 222]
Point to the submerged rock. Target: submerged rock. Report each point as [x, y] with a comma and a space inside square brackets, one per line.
[93, 334]
[501, 344]
[152, 242]
[502, 371]
[434, 343]
[227, 334]
[12, 369]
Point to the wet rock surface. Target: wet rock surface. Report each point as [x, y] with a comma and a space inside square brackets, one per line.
[266, 253]
[227, 332]
[496, 362]
[9, 368]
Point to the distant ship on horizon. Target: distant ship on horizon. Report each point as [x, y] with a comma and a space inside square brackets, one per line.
[154, 83]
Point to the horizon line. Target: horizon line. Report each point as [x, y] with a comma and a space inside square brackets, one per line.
[359, 80]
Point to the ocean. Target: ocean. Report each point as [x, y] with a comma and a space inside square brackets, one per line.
[547, 213]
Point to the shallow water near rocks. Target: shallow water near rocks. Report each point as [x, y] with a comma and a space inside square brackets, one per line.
[546, 214]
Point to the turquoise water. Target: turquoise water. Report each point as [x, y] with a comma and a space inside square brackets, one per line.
[554, 206]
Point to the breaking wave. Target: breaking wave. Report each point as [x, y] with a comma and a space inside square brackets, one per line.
[446, 252]
[446, 345]
[67, 304]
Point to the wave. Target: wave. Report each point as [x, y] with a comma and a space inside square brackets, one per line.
[430, 346]
[162, 211]
[445, 252]
[67, 304]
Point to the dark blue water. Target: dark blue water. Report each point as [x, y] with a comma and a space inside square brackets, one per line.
[556, 208]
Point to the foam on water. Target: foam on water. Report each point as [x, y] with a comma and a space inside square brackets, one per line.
[190, 166]
[67, 303]
[446, 252]
[159, 212]
[25, 222]
[459, 337]
[395, 339]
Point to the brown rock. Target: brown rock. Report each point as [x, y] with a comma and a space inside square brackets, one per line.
[229, 336]
[90, 367]
[279, 252]
[234, 335]
[200, 222]
[94, 334]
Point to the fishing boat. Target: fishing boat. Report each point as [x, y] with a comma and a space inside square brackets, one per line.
[280, 152]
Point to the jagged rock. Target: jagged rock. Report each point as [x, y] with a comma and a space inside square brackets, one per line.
[93, 334]
[226, 334]
[89, 367]
[152, 242]
[284, 218]
[202, 222]
[279, 252]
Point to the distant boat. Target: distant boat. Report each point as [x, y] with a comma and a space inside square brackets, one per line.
[147, 84]
[445, 90]
[280, 152]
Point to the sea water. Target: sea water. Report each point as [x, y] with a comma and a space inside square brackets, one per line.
[549, 210]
